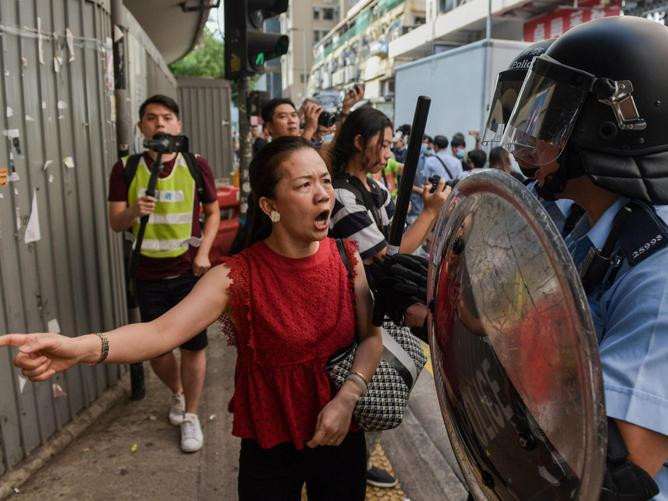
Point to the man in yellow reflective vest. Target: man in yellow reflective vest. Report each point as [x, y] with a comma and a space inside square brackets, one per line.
[174, 253]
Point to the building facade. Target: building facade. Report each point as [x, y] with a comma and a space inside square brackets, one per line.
[454, 23]
[306, 23]
[376, 36]
[357, 49]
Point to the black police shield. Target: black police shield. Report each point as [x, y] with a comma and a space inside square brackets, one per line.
[513, 347]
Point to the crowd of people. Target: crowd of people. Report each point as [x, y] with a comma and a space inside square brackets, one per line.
[313, 183]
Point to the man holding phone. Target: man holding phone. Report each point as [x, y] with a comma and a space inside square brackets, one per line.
[174, 252]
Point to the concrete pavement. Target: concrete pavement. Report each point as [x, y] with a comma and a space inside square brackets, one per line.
[132, 452]
[420, 451]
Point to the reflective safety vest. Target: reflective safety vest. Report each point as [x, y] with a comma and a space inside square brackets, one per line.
[169, 229]
[389, 176]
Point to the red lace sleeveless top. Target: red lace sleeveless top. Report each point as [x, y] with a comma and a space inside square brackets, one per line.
[288, 317]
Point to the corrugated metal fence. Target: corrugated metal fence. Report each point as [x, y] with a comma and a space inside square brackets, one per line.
[205, 113]
[60, 265]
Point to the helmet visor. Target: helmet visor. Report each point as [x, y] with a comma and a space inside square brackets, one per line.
[546, 111]
[508, 85]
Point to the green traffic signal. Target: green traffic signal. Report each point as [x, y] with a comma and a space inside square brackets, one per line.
[247, 46]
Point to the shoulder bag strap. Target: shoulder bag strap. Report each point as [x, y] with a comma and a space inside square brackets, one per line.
[444, 166]
[344, 257]
[349, 269]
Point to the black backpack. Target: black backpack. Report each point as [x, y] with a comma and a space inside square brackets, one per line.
[132, 163]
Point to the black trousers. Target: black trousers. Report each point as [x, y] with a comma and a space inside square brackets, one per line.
[156, 297]
[278, 473]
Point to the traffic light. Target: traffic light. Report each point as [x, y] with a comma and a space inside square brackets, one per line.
[256, 100]
[247, 46]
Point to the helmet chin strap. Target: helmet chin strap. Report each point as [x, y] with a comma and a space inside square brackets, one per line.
[570, 166]
[552, 186]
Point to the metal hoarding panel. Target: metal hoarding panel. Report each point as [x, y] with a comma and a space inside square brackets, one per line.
[205, 113]
[58, 141]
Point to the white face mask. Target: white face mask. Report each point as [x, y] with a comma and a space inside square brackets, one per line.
[328, 138]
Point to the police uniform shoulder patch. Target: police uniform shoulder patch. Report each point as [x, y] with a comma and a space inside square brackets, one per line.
[644, 233]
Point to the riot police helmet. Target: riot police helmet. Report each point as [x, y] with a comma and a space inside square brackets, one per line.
[508, 85]
[597, 102]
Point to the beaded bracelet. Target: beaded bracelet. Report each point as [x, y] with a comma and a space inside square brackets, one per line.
[104, 352]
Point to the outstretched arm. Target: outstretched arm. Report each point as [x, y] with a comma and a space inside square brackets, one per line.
[42, 355]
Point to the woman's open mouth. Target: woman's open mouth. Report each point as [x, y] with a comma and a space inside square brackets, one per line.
[322, 221]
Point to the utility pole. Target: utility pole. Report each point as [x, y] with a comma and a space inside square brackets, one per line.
[247, 48]
[245, 147]
[123, 139]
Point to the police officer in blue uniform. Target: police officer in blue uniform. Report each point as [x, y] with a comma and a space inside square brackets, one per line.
[591, 122]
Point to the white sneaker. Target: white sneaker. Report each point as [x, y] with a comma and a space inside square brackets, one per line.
[191, 433]
[178, 409]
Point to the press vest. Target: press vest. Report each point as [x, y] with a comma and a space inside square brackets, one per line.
[169, 227]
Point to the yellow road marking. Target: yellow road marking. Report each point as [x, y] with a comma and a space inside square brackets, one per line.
[379, 459]
[427, 352]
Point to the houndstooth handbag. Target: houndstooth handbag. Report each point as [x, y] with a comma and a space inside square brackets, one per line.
[384, 404]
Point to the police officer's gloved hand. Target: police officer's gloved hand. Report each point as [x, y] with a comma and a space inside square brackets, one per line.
[397, 282]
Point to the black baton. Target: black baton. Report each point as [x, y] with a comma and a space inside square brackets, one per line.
[408, 176]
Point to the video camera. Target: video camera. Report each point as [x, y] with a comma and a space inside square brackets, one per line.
[330, 103]
[434, 180]
[327, 118]
[166, 143]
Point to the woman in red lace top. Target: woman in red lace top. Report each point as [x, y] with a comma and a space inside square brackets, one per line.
[291, 306]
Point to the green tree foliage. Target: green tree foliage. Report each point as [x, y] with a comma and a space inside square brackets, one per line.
[205, 61]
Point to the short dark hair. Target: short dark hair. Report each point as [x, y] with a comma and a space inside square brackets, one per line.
[162, 100]
[427, 138]
[268, 109]
[441, 142]
[477, 158]
[458, 140]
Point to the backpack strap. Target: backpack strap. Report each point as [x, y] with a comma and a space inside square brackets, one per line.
[130, 168]
[195, 172]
